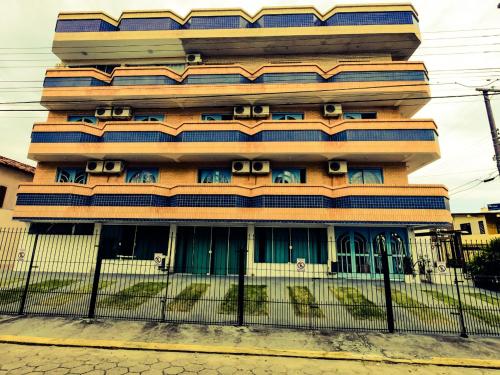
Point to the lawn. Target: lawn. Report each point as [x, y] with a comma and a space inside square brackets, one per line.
[417, 308]
[486, 298]
[489, 317]
[357, 304]
[255, 300]
[64, 298]
[304, 303]
[185, 300]
[133, 296]
[15, 294]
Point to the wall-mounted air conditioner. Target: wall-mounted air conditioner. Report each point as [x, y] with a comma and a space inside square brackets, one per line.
[241, 167]
[260, 111]
[94, 166]
[261, 167]
[122, 113]
[194, 58]
[113, 166]
[104, 113]
[337, 167]
[242, 111]
[332, 110]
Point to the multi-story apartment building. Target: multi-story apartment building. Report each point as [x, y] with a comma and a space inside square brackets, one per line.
[288, 133]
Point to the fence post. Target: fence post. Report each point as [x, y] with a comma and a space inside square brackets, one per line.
[26, 287]
[241, 286]
[387, 288]
[97, 276]
[458, 254]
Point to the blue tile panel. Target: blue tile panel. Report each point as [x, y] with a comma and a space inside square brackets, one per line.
[288, 20]
[223, 200]
[222, 79]
[75, 26]
[237, 136]
[217, 22]
[370, 18]
[144, 24]
[237, 22]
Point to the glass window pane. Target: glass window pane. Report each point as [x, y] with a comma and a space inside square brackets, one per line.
[142, 176]
[214, 176]
[372, 176]
[352, 116]
[355, 176]
[289, 176]
[71, 175]
[287, 116]
[149, 117]
[82, 118]
[216, 117]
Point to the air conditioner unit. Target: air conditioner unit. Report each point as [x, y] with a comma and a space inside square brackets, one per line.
[260, 111]
[194, 58]
[241, 166]
[104, 113]
[94, 166]
[122, 113]
[113, 166]
[261, 167]
[332, 110]
[337, 167]
[242, 111]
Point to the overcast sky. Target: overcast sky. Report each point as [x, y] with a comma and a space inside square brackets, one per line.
[461, 48]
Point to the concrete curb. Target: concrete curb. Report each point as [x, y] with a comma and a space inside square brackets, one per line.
[250, 351]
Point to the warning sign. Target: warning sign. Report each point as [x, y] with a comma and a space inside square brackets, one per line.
[301, 264]
[21, 255]
[158, 257]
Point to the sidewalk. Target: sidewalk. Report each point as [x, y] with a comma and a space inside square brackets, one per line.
[271, 345]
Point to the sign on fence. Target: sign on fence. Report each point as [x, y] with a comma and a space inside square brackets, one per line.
[301, 264]
[158, 257]
[21, 255]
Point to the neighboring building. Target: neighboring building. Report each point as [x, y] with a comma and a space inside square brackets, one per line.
[478, 226]
[12, 173]
[289, 133]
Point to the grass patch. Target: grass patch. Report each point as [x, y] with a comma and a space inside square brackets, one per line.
[133, 296]
[485, 298]
[417, 308]
[489, 317]
[15, 294]
[63, 298]
[357, 304]
[5, 283]
[255, 300]
[304, 303]
[186, 299]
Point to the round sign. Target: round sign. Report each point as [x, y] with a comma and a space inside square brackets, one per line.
[301, 265]
[158, 259]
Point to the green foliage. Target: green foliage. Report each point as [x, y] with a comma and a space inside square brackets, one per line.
[485, 267]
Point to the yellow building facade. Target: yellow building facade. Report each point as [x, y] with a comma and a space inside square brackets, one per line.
[287, 134]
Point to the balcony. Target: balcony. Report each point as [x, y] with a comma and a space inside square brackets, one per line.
[303, 30]
[408, 204]
[394, 84]
[413, 142]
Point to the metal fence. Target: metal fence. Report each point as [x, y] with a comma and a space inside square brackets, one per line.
[431, 285]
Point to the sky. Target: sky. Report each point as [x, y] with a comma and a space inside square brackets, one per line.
[461, 49]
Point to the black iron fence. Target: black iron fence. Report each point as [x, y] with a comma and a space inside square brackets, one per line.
[429, 285]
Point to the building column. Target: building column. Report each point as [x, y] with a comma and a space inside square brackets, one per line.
[172, 240]
[332, 246]
[250, 249]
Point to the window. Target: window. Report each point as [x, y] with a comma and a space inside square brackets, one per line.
[66, 228]
[74, 175]
[3, 191]
[360, 115]
[214, 176]
[216, 116]
[289, 176]
[82, 118]
[366, 176]
[142, 176]
[149, 118]
[465, 228]
[481, 227]
[287, 116]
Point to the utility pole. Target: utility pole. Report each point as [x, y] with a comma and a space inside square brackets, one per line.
[495, 135]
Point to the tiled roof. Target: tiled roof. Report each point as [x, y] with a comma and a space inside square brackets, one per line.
[17, 165]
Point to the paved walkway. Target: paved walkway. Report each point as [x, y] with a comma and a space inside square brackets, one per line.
[24, 359]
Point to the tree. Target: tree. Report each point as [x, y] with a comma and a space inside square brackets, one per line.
[485, 268]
